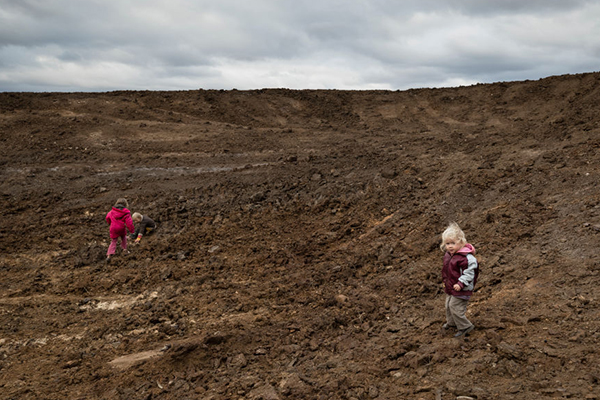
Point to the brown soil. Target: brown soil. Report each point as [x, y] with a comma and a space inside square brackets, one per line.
[297, 251]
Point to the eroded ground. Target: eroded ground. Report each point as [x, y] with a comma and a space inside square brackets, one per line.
[297, 251]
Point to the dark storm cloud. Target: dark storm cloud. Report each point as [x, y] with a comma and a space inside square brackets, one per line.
[494, 7]
[183, 44]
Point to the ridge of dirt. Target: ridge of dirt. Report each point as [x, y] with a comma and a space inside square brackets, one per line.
[297, 254]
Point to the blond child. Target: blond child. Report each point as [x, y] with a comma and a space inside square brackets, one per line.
[459, 274]
[145, 226]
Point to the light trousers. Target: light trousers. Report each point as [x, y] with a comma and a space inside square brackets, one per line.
[455, 312]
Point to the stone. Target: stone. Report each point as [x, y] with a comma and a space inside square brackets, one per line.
[292, 385]
[265, 392]
[341, 299]
[239, 361]
[509, 351]
[389, 173]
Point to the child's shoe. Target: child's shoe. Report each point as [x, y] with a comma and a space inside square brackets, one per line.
[108, 259]
[126, 252]
[464, 332]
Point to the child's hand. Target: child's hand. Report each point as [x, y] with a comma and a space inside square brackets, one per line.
[457, 287]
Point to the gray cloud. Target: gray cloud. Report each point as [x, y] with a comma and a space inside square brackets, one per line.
[63, 45]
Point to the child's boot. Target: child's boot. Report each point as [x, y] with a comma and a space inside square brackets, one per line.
[464, 332]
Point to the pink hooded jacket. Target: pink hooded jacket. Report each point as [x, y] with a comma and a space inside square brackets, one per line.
[119, 221]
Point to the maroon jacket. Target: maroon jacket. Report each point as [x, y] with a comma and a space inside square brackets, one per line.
[119, 221]
[456, 270]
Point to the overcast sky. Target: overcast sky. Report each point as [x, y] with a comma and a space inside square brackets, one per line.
[106, 45]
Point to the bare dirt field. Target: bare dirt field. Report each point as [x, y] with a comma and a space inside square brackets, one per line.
[297, 254]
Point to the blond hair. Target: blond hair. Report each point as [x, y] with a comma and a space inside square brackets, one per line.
[122, 202]
[453, 231]
[136, 216]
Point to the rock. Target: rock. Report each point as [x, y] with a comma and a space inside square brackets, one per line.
[266, 392]
[509, 351]
[166, 347]
[292, 385]
[577, 337]
[389, 173]
[215, 339]
[394, 328]
[129, 360]
[181, 385]
[555, 392]
[258, 197]
[422, 389]
[414, 360]
[340, 299]
[373, 392]
[537, 385]
[291, 348]
[479, 393]
[72, 364]
[514, 388]
[168, 328]
[181, 349]
[137, 332]
[549, 351]
[239, 361]
[512, 368]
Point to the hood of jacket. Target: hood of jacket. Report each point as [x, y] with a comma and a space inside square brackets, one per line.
[120, 212]
[466, 249]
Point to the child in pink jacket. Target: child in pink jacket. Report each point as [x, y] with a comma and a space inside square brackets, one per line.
[119, 219]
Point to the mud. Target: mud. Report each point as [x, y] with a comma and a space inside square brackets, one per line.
[297, 251]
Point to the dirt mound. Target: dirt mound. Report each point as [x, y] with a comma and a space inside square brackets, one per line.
[297, 250]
